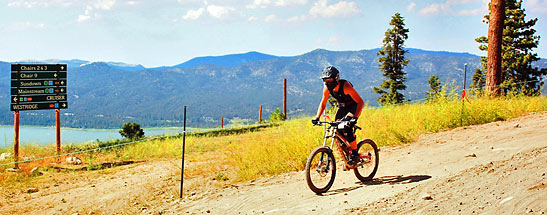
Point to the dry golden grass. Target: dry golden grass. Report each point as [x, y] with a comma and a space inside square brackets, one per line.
[285, 148]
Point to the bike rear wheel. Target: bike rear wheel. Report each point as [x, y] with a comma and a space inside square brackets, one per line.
[320, 170]
[369, 155]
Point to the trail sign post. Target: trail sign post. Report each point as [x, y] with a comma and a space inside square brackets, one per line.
[38, 87]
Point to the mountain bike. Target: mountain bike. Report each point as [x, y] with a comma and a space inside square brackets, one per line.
[321, 164]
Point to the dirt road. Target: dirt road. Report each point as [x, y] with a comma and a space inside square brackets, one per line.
[493, 168]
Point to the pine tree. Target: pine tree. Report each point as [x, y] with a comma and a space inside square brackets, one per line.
[477, 87]
[392, 62]
[132, 131]
[519, 39]
[435, 87]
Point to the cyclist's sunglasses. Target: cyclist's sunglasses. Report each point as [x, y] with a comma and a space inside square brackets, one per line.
[328, 80]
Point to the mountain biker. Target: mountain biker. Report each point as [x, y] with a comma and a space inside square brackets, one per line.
[350, 105]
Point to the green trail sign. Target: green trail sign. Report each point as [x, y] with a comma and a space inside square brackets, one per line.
[38, 86]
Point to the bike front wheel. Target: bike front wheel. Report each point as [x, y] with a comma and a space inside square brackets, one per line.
[320, 170]
[366, 169]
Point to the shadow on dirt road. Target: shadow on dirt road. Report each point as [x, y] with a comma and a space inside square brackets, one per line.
[399, 179]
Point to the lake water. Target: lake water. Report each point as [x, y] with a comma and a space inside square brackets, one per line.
[46, 135]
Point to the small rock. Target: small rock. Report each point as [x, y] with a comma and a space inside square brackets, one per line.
[208, 211]
[5, 156]
[471, 156]
[35, 172]
[32, 190]
[75, 214]
[74, 160]
[427, 197]
[345, 202]
[516, 125]
[27, 158]
[12, 170]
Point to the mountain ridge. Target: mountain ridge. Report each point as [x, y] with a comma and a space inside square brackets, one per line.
[101, 95]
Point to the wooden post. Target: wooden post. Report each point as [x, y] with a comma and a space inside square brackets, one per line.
[260, 114]
[495, 34]
[463, 93]
[183, 146]
[221, 122]
[58, 131]
[16, 139]
[285, 98]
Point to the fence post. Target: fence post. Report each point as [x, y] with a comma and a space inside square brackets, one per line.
[260, 114]
[221, 122]
[285, 98]
[16, 138]
[58, 132]
[463, 93]
[183, 146]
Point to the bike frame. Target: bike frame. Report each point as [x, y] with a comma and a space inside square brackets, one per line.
[331, 132]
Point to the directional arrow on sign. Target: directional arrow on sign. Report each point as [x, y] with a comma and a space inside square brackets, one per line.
[14, 99]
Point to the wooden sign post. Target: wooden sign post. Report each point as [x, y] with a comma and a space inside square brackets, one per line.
[38, 87]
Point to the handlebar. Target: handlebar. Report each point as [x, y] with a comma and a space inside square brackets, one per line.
[334, 123]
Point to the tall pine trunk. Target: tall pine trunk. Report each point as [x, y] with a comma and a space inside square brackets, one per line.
[495, 33]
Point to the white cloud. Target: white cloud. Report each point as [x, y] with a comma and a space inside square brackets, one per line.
[103, 4]
[271, 18]
[259, 4]
[278, 3]
[31, 4]
[253, 18]
[219, 12]
[23, 26]
[539, 6]
[91, 8]
[332, 40]
[340, 9]
[411, 6]
[435, 10]
[297, 18]
[283, 3]
[83, 18]
[193, 14]
[132, 2]
[446, 8]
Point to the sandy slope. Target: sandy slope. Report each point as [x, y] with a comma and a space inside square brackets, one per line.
[492, 168]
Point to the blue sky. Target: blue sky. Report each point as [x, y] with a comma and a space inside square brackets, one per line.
[167, 32]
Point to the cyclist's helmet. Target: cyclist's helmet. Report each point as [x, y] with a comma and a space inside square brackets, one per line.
[331, 72]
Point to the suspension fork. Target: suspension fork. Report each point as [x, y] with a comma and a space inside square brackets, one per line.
[328, 133]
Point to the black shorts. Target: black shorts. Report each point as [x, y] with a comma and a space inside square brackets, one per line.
[341, 113]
